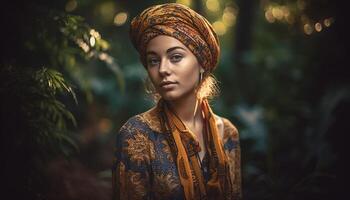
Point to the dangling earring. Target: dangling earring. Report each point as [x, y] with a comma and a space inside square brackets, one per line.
[198, 98]
[195, 108]
[201, 75]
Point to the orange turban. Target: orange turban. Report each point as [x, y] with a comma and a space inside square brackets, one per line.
[182, 23]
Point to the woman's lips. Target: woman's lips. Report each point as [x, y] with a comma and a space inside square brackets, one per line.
[167, 85]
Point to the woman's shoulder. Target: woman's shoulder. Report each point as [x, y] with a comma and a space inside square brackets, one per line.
[226, 128]
[230, 128]
[146, 121]
[151, 119]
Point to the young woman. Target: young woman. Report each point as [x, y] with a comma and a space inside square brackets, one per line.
[179, 149]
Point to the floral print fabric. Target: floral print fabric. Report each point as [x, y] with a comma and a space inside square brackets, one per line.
[144, 166]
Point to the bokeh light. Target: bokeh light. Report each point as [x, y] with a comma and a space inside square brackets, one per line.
[106, 11]
[71, 5]
[120, 18]
[213, 5]
[308, 29]
[104, 125]
[229, 17]
[279, 13]
[269, 17]
[96, 34]
[327, 22]
[92, 41]
[318, 27]
[219, 27]
[184, 2]
[85, 47]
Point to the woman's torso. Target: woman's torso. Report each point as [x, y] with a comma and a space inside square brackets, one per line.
[145, 166]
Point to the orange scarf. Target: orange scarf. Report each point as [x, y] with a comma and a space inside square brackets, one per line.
[219, 184]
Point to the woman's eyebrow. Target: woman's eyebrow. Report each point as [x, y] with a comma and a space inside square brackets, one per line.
[167, 51]
[174, 48]
[151, 52]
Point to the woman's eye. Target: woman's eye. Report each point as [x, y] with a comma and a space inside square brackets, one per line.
[176, 58]
[152, 62]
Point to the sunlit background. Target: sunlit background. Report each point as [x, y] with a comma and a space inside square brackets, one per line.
[70, 79]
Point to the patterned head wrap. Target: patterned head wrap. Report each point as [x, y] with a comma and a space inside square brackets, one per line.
[182, 23]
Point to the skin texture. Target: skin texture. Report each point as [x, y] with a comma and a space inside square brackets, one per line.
[168, 60]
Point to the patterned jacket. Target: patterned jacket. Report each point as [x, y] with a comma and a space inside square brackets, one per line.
[144, 166]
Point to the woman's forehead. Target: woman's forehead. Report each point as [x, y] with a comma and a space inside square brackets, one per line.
[164, 44]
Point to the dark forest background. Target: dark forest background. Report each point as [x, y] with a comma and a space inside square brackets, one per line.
[70, 78]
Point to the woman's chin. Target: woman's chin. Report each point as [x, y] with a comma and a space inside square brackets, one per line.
[175, 95]
[169, 96]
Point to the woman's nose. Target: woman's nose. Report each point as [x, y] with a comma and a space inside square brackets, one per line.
[164, 67]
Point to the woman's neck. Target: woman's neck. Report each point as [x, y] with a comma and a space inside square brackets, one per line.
[187, 110]
[191, 116]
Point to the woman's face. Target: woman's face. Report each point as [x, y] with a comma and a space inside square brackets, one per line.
[172, 67]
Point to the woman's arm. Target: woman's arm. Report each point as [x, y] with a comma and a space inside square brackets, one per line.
[233, 151]
[131, 168]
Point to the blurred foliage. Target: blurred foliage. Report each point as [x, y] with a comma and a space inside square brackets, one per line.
[284, 87]
[44, 116]
[47, 45]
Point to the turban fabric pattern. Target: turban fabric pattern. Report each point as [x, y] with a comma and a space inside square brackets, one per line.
[182, 23]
